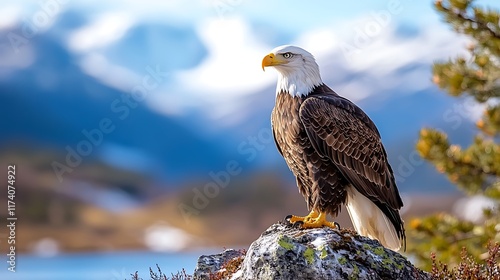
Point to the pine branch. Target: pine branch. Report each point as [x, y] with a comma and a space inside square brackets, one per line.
[460, 15]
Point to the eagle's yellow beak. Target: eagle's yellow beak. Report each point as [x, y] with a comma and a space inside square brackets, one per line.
[271, 60]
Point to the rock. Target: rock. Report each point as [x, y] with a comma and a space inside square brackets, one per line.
[211, 265]
[285, 252]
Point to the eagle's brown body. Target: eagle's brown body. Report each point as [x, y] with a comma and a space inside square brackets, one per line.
[331, 145]
[334, 150]
[320, 182]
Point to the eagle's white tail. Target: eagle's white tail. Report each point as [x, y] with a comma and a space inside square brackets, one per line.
[370, 221]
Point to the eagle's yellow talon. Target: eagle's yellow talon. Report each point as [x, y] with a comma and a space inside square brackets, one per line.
[314, 220]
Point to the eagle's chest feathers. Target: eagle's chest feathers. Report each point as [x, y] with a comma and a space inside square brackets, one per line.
[286, 120]
[291, 136]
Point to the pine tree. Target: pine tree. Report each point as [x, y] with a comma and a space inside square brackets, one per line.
[474, 169]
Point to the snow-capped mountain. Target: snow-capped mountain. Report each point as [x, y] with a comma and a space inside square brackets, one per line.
[180, 100]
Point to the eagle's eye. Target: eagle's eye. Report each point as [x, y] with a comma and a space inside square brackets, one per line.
[288, 55]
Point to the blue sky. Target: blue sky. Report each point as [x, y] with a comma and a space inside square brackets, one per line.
[291, 15]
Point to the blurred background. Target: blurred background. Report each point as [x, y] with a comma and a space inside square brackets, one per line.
[140, 130]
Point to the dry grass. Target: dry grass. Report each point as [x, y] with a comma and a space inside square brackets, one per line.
[469, 269]
[159, 275]
[227, 269]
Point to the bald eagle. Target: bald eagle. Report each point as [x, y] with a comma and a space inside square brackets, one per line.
[334, 150]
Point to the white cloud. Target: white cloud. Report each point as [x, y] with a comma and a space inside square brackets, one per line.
[10, 16]
[165, 102]
[233, 66]
[354, 90]
[388, 51]
[103, 31]
[380, 60]
[319, 42]
[231, 70]
[171, 10]
[97, 66]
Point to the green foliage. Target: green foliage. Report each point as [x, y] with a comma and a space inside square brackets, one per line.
[471, 169]
[474, 169]
[477, 74]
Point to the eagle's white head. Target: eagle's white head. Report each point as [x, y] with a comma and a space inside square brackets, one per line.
[298, 72]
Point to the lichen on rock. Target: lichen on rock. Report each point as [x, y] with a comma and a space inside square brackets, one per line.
[286, 252]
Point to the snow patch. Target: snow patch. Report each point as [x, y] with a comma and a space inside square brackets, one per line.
[104, 30]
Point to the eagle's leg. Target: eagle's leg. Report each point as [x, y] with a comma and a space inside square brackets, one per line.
[315, 219]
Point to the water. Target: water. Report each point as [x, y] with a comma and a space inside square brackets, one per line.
[97, 266]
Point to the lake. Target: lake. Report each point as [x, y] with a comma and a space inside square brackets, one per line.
[97, 266]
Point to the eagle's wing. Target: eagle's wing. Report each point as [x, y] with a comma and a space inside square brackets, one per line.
[341, 131]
